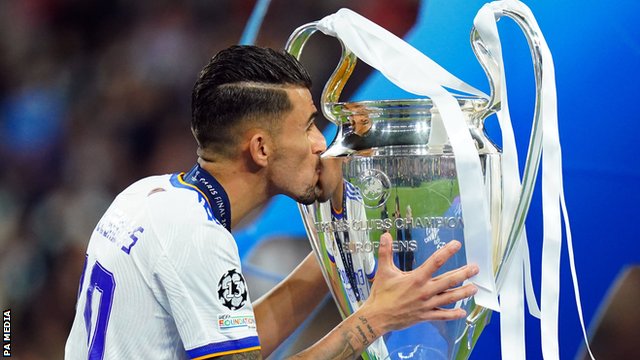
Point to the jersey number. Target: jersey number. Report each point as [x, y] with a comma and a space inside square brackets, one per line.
[101, 281]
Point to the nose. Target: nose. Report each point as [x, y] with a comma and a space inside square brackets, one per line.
[318, 143]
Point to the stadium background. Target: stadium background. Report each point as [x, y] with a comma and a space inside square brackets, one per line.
[95, 94]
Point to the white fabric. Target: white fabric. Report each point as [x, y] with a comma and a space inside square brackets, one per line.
[165, 301]
[552, 191]
[511, 298]
[414, 72]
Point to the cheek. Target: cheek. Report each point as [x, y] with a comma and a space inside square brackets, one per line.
[303, 153]
[297, 154]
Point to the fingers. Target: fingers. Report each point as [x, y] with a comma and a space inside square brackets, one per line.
[435, 261]
[445, 314]
[451, 296]
[452, 278]
[385, 254]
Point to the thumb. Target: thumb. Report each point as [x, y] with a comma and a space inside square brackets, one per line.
[385, 254]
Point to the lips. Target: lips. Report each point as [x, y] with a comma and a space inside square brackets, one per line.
[318, 173]
[319, 167]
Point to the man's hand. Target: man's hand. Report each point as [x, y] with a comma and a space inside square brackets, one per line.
[400, 299]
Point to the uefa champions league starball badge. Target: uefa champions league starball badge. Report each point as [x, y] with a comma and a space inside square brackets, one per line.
[232, 290]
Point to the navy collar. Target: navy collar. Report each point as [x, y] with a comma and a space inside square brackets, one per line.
[214, 192]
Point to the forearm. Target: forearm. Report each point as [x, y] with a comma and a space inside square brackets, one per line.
[397, 300]
[280, 311]
[348, 340]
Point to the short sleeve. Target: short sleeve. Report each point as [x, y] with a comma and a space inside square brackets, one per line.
[200, 282]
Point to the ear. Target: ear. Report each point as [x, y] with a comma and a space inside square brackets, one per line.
[260, 148]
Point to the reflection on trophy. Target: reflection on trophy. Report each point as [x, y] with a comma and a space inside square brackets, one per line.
[402, 166]
[348, 254]
[352, 214]
[426, 186]
[341, 204]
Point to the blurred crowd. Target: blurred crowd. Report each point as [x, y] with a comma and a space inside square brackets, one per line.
[93, 96]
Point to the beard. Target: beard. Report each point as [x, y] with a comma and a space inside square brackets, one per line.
[322, 193]
[309, 196]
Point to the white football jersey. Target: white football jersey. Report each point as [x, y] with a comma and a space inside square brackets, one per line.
[162, 280]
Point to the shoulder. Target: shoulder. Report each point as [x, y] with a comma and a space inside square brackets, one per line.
[169, 198]
[172, 209]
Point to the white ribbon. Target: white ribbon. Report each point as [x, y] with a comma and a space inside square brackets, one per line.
[512, 329]
[552, 199]
[414, 72]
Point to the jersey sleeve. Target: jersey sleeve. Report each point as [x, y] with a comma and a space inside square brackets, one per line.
[199, 279]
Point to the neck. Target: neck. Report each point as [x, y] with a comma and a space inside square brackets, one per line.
[246, 190]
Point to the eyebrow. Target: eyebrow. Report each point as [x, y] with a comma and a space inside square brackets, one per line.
[312, 118]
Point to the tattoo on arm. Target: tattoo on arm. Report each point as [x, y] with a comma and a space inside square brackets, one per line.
[365, 341]
[365, 322]
[349, 351]
[353, 341]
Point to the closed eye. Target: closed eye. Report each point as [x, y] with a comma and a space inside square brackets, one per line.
[311, 123]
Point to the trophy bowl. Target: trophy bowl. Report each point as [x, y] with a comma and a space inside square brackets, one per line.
[400, 177]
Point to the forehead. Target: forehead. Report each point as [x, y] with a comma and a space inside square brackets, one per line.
[302, 104]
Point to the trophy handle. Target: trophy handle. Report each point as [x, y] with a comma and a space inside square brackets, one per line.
[494, 72]
[334, 86]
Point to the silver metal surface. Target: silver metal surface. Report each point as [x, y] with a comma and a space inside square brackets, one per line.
[392, 165]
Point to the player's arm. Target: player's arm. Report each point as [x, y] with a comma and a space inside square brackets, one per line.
[398, 300]
[279, 312]
[249, 355]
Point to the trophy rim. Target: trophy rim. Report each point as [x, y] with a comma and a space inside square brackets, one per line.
[466, 102]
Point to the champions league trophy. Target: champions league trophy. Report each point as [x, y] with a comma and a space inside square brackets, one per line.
[423, 170]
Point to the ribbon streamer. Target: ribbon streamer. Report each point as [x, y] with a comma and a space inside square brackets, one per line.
[512, 327]
[552, 192]
[414, 72]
